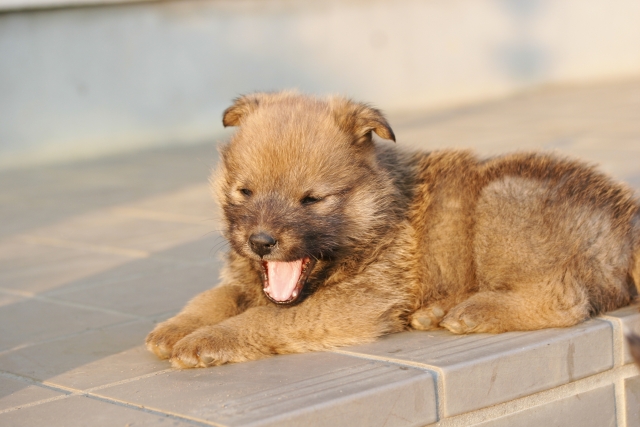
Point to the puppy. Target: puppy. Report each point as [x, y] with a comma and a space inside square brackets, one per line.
[337, 240]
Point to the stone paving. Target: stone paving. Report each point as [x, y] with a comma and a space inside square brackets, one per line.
[92, 254]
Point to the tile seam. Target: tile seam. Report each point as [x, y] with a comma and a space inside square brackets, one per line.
[36, 403]
[177, 263]
[91, 392]
[48, 299]
[437, 371]
[618, 357]
[514, 406]
[63, 291]
[85, 306]
[158, 216]
[621, 403]
[129, 380]
[153, 410]
[618, 338]
[84, 246]
[71, 335]
[29, 380]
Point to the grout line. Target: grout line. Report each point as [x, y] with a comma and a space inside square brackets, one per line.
[160, 216]
[71, 392]
[541, 398]
[129, 380]
[65, 303]
[25, 379]
[387, 359]
[621, 403]
[172, 264]
[132, 319]
[618, 338]
[618, 360]
[70, 335]
[437, 371]
[87, 307]
[155, 411]
[36, 403]
[67, 392]
[69, 244]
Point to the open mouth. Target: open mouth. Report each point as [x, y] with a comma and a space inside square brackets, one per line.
[283, 281]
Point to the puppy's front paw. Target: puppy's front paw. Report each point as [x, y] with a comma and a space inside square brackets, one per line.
[212, 346]
[163, 338]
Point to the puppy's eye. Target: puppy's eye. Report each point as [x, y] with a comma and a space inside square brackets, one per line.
[246, 192]
[309, 200]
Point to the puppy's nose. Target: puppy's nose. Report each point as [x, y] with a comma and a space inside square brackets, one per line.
[262, 243]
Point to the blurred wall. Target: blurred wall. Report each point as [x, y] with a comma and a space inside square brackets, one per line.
[77, 82]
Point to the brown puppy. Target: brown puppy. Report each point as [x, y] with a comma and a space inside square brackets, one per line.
[337, 240]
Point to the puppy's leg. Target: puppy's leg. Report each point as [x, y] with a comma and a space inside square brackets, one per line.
[207, 308]
[502, 311]
[315, 324]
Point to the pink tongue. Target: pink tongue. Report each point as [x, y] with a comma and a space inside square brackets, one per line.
[283, 277]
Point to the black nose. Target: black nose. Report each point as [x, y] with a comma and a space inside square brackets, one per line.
[262, 243]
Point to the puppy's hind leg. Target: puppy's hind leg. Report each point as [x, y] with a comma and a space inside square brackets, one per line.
[521, 310]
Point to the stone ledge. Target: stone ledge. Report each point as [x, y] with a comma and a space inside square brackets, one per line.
[557, 376]
[483, 370]
[526, 378]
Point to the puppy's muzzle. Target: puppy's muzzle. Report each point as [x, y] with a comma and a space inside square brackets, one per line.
[262, 243]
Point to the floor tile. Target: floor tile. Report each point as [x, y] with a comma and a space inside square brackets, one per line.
[31, 321]
[92, 359]
[7, 298]
[632, 394]
[104, 229]
[131, 270]
[320, 389]
[194, 204]
[35, 197]
[16, 393]
[85, 411]
[480, 370]
[36, 268]
[155, 293]
[594, 408]
[210, 248]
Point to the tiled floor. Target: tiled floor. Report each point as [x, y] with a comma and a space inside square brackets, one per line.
[92, 254]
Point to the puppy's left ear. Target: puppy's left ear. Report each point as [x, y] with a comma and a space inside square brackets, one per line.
[360, 120]
[241, 107]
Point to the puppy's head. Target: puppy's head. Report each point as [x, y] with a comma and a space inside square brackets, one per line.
[300, 187]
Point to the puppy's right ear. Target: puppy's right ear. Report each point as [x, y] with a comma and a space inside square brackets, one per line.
[241, 107]
[359, 120]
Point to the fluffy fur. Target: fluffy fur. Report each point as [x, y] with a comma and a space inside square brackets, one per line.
[402, 239]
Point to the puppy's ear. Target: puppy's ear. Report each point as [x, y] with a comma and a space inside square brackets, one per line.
[360, 120]
[241, 107]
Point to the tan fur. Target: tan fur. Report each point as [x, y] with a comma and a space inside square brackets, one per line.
[422, 240]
